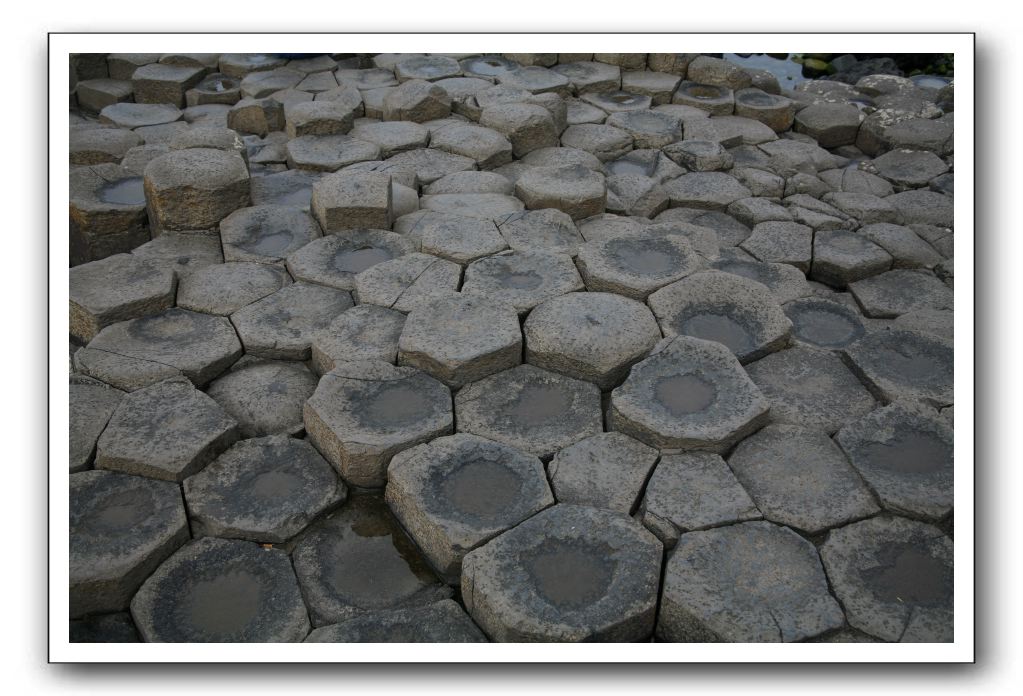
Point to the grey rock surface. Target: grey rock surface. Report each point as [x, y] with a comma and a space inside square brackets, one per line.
[904, 364]
[607, 470]
[441, 622]
[264, 396]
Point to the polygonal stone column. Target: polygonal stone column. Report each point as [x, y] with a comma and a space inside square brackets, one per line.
[117, 288]
[195, 189]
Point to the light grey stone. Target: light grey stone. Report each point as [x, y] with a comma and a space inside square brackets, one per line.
[284, 324]
[405, 282]
[266, 233]
[114, 289]
[366, 332]
[194, 189]
[223, 289]
[336, 259]
[607, 470]
[524, 279]
[442, 622]
[265, 397]
[900, 364]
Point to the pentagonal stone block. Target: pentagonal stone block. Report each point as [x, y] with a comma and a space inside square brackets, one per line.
[705, 190]
[904, 364]
[892, 574]
[366, 332]
[266, 233]
[527, 126]
[831, 125]
[352, 200]
[899, 292]
[127, 115]
[114, 289]
[692, 491]
[194, 189]
[785, 282]
[222, 591]
[569, 574]
[283, 325]
[441, 622]
[461, 339]
[363, 413]
[456, 493]
[257, 116]
[821, 323]
[775, 465]
[91, 403]
[593, 336]
[575, 190]
[265, 397]
[328, 153]
[548, 230]
[904, 453]
[157, 83]
[607, 470]
[167, 431]
[523, 279]
[121, 528]
[605, 142]
[723, 307]
[781, 242]
[636, 265]
[318, 118]
[265, 490]
[750, 582]
[107, 211]
[458, 238]
[909, 168]
[530, 409]
[811, 387]
[133, 354]
[224, 288]
[689, 394]
[99, 145]
[416, 100]
[938, 322]
[360, 559]
[335, 260]
[841, 257]
[921, 207]
[407, 282]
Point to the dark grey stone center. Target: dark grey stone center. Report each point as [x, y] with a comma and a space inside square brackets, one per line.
[756, 99]
[570, 575]
[912, 452]
[175, 326]
[627, 166]
[276, 484]
[685, 394]
[358, 260]
[645, 257]
[269, 243]
[703, 91]
[224, 605]
[118, 514]
[482, 488]
[397, 404]
[824, 328]
[909, 575]
[907, 364]
[522, 280]
[123, 191]
[720, 328]
[539, 404]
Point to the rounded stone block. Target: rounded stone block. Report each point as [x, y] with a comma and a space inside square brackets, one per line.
[577, 190]
[898, 364]
[822, 323]
[222, 591]
[523, 279]
[353, 200]
[593, 336]
[366, 332]
[750, 582]
[114, 289]
[266, 233]
[194, 189]
[224, 288]
[336, 259]
[441, 622]
[265, 397]
[265, 490]
[121, 528]
[458, 492]
[689, 394]
[461, 339]
[634, 265]
[607, 470]
[568, 574]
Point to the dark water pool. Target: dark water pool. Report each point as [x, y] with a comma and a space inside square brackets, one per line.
[789, 74]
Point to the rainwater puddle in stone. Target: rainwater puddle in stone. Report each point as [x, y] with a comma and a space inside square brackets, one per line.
[717, 327]
[276, 484]
[824, 328]
[396, 404]
[123, 192]
[685, 394]
[910, 453]
[270, 244]
[909, 575]
[526, 280]
[481, 488]
[651, 257]
[539, 404]
[358, 260]
[570, 575]
[120, 513]
[224, 605]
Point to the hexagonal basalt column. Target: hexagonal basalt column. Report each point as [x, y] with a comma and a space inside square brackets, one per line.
[772, 110]
[527, 126]
[894, 578]
[222, 591]
[195, 189]
[689, 394]
[594, 336]
[441, 622]
[750, 582]
[485, 146]
[353, 200]
[636, 265]
[899, 364]
[524, 279]
[899, 292]
[530, 409]
[359, 559]
[336, 259]
[107, 211]
[117, 288]
[458, 238]
[569, 574]
[785, 282]
[167, 431]
[224, 288]
[264, 396]
[550, 231]
[841, 257]
[406, 282]
[265, 490]
[714, 99]
[904, 452]
[607, 470]
[456, 493]
[132, 354]
[726, 308]
[121, 528]
[91, 403]
[574, 190]
[266, 233]
[366, 332]
[461, 339]
[363, 413]
[822, 323]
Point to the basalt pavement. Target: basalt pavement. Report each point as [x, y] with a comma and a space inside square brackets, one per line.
[520, 347]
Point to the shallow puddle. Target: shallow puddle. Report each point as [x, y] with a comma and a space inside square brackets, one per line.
[269, 243]
[823, 328]
[645, 257]
[224, 605]
[570, 575]
[123, 192]
[524, 280]
[396, 404]
[685, 394]
[909, 575]
[539, 404]
[911, 452]
[358, 260]
[718, 327]
[481, 488]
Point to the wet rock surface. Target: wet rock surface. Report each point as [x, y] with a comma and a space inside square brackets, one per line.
[566, 316]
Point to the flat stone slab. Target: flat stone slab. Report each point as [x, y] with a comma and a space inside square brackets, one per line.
[336, 259]
[894, 578]
[441, 622]
[799, 478]
[284, 324]
[366, 332]
[523, 279]
[689, 394]
[907, 249]
[905, 454]
[130, 115]
[90, 405]
[456, 493]
[901, 291]
[408, 281]
[725, 308]
[182, 252]
[99, 145]
[823, 323]
[121, 528]
[264, 396]
[266, 233]
[607, 470]
[749, 582]
[548, 230]
[841, 257]
[330, 152]
[781, 242]
[265, 490]
[485, 146]
[899, 364]
[353, 200]
[139, 352]
[363, 413]
[359, 559]
[604, 142]
[222, 591]
[461, 339]
[923, 208]
[649, 129]
[569, 574]
[785, 282]
[458, 238]
[114, 289]
[533, 410]
[575, 190]
[810, 387]
[594, 336]
[292, 187]
[224, 288]
[909, 168]
[167, 431]
[692, 491]
[194, 189]
[486, 206]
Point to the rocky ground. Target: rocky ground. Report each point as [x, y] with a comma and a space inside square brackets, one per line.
[520, 347]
